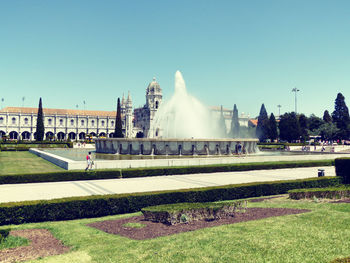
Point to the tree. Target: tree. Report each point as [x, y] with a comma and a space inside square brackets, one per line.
[118, 132]
[40, 129]
[314, 122]
[235, 123]
[273, 132]
[341, 117]
[303, 124]
[327, 117]
[328, 131]
[262, 128]
[289, 127]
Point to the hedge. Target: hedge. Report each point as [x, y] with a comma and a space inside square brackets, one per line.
[329, 193]
[154, 171]
[103, 205]
[25, 146]
[342, 169]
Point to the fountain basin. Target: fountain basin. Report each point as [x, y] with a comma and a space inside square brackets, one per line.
[158, 146]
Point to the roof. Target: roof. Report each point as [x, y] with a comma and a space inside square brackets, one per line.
[254, 122]
[47, 111]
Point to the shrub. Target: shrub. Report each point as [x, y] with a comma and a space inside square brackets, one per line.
[186, 212]
[341, 260]
[96, 206]
[329, 193]
[3, 234]
[342, 169]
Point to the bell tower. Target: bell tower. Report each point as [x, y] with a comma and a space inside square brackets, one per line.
[153, 97]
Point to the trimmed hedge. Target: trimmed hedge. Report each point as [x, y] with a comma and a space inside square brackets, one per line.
[25, 146]
[329, 193]
[154, 171]
[4, 233]
[97, 206]
[342, 169]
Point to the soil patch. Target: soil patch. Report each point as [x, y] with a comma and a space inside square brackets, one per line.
[347, 200]
[153, 229]
[42, 244]
[263, 199]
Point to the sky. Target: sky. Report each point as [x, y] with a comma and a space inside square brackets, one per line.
[229, 52]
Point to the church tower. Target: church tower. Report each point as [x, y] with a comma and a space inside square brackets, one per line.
[153, 97]
[128, 117]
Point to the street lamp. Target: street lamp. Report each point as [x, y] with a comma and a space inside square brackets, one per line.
[23, 98]
[295, 90]
[279, 110]
[2, 103]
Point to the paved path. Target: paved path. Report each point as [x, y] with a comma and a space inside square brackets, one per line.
[39, 191]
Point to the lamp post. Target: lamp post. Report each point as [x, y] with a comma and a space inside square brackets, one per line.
[2, 103]
[295, 90]
[279, 110]
[23, 98]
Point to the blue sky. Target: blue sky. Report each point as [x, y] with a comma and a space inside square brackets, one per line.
[230, 52]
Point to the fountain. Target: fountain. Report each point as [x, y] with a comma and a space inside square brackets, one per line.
[182, 126]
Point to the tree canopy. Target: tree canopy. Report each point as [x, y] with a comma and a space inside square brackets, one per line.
[341, 117]
[118, 132]
[40, 129]
[262, 129]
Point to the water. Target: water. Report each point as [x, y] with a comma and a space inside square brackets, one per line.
[80, 155]
[184, 116]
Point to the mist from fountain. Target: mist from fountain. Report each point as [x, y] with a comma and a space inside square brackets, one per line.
[184, 116]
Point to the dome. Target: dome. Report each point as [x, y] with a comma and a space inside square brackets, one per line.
[154, 87]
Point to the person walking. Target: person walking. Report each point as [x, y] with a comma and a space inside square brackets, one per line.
[89, 162]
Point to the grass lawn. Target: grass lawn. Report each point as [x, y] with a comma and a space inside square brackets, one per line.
[24, 162]
[318, 236]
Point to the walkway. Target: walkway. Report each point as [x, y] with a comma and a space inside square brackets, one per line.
[39, 191]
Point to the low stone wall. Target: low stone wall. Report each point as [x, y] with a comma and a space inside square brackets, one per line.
[174, 146]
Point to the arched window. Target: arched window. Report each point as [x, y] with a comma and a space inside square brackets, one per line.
[102, 123]
[157, 104]
[50, 121]
[26, 121]
[13, 120]
[61, 122]
[72, 122]
[92, 123]
[82, 122]
[112, 123]
[1, 120]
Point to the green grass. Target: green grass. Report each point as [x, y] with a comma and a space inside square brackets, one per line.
[134, 225]
[24, 162]
[318, 236]
[11, 241]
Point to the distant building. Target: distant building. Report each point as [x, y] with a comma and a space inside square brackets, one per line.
[62, 124]
[144, 116]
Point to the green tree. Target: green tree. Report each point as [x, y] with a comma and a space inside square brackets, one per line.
[327, 117]
[289, 127]
[235, 127]
[303, 124]
[262, 128]
[273, 131]
[341, 117]
[118, 132]
[314, 122]
[40, 129]
[328, 131]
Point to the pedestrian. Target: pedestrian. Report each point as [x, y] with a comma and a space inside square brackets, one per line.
[89, 162]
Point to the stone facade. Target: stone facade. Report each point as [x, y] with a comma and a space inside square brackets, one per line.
[20, 123]
[173, 146]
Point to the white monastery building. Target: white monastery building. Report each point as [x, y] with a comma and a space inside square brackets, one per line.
[63, 124]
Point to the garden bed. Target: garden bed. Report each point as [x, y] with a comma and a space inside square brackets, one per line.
[172, 214]
[42, 244]
[154, 229]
